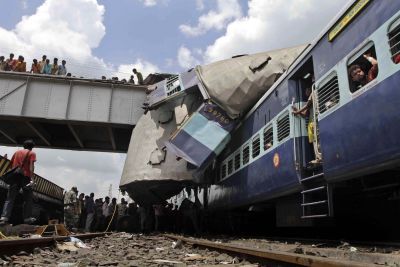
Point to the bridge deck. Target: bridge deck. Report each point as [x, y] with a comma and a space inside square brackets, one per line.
[68, 113]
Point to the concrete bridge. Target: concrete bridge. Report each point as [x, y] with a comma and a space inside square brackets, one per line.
[68, 113]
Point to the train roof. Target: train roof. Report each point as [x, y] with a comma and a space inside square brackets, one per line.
[302, 56]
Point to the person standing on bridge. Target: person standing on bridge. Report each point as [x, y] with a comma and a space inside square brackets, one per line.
[11, 62]
[139, 76]
[54, 67]
[46, 67]
[25, 159]
[42, 63]
[62, 70]
[3, 64]
[35, 68]
[21, 65]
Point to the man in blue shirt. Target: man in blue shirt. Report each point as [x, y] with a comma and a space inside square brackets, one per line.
[62, 70]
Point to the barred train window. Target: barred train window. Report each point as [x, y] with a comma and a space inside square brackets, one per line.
[237, 161]
[394, 41]
[268, 138]
[246, 154]
[283, 127]
[362, 67]
[230, 166]
[223, 171]
[173, 85]
[256, 146]
[328, 94]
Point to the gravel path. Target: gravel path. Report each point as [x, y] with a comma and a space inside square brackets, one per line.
[121, 249]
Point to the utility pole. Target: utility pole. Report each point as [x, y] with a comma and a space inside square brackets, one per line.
[110, 191]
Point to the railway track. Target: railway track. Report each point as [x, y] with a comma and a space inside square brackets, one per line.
[271, 256]
[11, 246]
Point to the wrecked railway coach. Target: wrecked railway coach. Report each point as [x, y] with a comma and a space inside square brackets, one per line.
[268, 164]
[185, 127]
[48, 198]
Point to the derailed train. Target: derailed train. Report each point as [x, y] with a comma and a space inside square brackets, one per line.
[232, 154]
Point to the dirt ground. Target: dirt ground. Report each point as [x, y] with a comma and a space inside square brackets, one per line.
[122, 249]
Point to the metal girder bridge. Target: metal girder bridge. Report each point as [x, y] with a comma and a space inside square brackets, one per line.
[68, 113]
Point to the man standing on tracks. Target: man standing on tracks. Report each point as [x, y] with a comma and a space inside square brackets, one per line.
[25, 160]
[90, 209]
[70, 205]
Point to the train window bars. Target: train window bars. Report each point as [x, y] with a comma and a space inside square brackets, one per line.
[256, 146]
[362, 67]
[173, 85]
[283, 127]
[237, 161]
[328, 94]
[394, 41]
[223, 171]
[268, 137]
[246, 154]
[230, 166]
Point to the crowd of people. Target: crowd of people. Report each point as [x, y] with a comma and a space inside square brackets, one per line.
[42, 67]
[45, 67]
[84, 213]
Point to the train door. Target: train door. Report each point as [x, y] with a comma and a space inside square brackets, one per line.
[307, 149]
[316, 196]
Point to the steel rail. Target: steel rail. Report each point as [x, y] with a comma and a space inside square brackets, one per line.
[10, 246]
[269, 255]
[336, 242]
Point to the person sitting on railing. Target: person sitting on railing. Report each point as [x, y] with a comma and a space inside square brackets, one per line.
[21, 65]
[62, 70]
[11, 62]
[35, 68]
[42, 63]
[131, 80]
[46, 67]
[3, 64]
[54, 67]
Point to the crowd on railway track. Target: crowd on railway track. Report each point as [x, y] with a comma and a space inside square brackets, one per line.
[85, 213]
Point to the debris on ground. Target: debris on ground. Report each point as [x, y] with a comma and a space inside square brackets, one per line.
[121, 249]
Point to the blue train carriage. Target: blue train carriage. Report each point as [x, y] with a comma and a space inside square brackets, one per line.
[270, 161]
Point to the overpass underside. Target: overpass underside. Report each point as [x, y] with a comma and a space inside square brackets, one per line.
[68, 113]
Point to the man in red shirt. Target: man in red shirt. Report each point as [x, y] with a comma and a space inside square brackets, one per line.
[24, 158]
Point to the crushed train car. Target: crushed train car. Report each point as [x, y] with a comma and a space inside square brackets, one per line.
[189, 120]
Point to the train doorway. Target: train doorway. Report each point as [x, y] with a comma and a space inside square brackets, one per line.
[307, 148]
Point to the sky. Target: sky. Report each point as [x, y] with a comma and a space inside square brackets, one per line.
[110, 37]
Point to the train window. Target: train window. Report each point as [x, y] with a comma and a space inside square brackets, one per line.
[283, 127]
[362, 68]
[256, 146]
[230, 166]
[328, 94]
[237, 161]
[394, 41]
[246, 154]
[268, 138]
[223, 171]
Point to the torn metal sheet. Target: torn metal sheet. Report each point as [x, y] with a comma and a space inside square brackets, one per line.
[236, 84]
